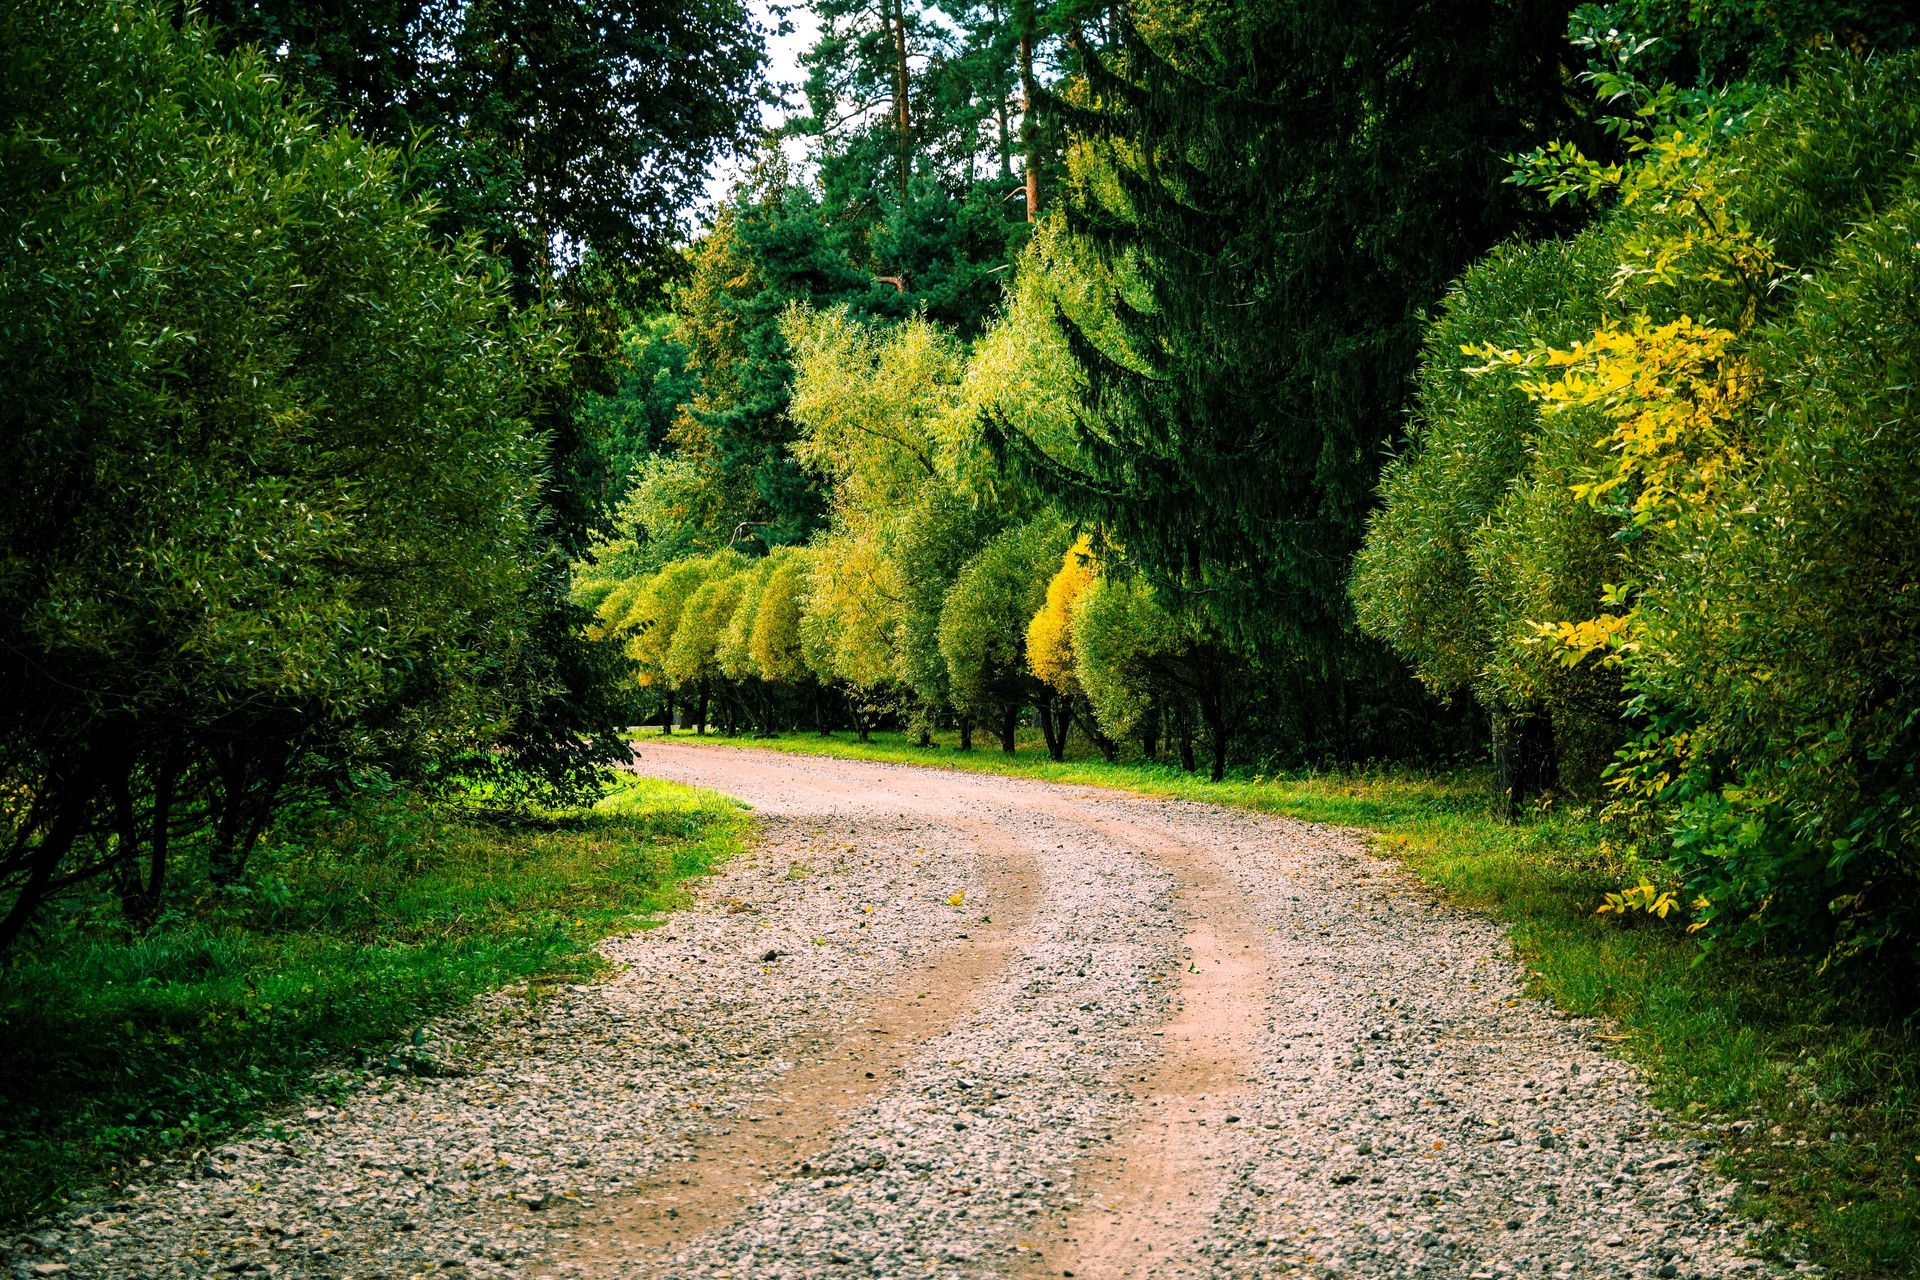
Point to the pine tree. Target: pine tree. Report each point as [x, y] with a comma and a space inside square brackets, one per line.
[1280, 194]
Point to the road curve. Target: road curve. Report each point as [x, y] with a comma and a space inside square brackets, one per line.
[942, 1024]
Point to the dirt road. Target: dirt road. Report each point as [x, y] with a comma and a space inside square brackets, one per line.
[950, 1025]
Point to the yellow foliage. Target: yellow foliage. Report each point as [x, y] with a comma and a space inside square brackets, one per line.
[1645, 896]
[1050, 634]
[1673, 393]
[1675, 396]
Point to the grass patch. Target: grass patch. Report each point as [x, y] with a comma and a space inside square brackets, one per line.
[356, 925]
[1828, 1086]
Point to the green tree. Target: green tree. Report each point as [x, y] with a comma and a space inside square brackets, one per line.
[775, 642]
[983, 625]
[548, 129]
[272, 460]
[692, 663]
[569, 137]
[1644, 475]
[1278, 192]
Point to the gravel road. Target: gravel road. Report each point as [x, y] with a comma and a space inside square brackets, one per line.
[938, 1024]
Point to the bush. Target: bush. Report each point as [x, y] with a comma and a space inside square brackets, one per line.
[268, 452]
[1660, 485]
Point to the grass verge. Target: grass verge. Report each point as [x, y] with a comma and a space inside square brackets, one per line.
[1815, 1096]
[356, 925]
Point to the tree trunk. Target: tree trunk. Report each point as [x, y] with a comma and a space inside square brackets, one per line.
[903, 122]
[1078, 708]
[700, 712]
[1009, 728]
[666, 717]
[966, 733]
[1183, 738]
[1523, 760]
[244, 811]
[1213, 717]
[1000, 114]
[1053, 729]
[1029, 135]
[140, 893]
[79, 790]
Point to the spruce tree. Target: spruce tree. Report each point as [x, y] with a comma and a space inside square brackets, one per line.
[1281, 192]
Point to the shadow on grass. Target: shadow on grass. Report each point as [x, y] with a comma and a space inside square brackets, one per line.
[354, 928]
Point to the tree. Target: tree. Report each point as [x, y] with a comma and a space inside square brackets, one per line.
[1119, 633]
[735, 653]
[548, 129]
[272, 464]
[568, 137]
[633, 421]
[983, 625]
[1148, 668]
[933, 541]
[1479, 533]
[692, 663]
[1050, 652]
[775, 643]
[1276, 195]
[650, 616]
[1641, 480]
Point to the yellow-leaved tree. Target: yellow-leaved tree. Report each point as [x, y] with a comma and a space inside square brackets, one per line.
[1050, 650]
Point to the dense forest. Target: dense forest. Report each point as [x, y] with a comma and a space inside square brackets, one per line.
[1253, 387]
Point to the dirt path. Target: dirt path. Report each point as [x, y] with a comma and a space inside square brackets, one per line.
[836, 1070]
[939, 1024]
[1150, 1199]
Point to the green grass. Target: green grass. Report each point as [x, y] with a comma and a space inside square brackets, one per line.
[1723, 1037]
[356, 926]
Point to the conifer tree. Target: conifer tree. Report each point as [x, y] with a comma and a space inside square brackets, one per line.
[1280, 193]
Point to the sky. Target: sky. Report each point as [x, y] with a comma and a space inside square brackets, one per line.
[783, 67]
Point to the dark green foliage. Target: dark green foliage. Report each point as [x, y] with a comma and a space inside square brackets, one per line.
[544, 127]
[571, 137]
[1479, 532]
[1721, 41]
[1280, 195]
[653, 383]
[271, 468]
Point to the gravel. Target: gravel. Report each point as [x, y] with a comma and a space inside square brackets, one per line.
[1408, 1111]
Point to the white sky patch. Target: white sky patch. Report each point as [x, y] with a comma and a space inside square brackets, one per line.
[784, 73]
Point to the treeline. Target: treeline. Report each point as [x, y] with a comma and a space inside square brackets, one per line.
[1658, 514]
[1363, 384]
[1285, 383]
[938, 595]
[296, 317]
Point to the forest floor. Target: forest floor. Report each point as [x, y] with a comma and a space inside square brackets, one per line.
[950, 1024]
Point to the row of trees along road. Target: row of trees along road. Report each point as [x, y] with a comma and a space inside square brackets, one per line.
[1237, 256]
[297, 304]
